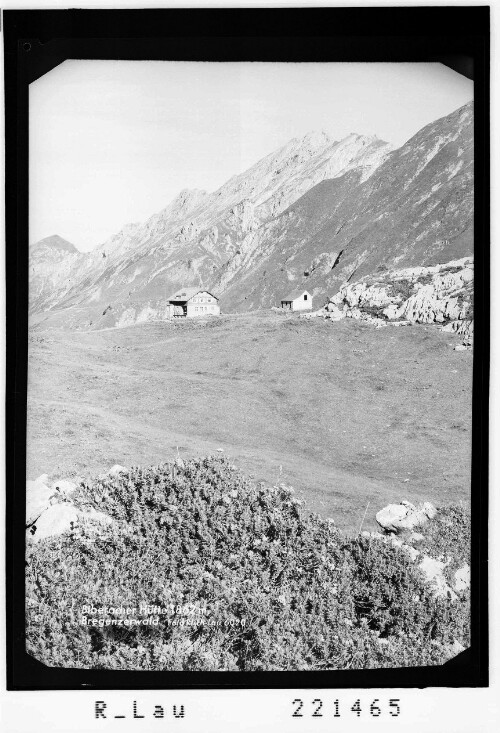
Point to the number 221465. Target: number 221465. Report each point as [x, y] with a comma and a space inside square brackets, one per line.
[336, 709]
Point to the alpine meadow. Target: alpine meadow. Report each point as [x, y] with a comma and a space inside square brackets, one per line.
[249, 418]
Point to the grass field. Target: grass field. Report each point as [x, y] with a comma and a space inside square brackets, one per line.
[351, 414]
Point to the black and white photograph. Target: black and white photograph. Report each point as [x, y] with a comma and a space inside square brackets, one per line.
[249, 406]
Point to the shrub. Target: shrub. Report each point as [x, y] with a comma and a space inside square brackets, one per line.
[426, 279]
[377, 311]
[403, 288]
[282, 588]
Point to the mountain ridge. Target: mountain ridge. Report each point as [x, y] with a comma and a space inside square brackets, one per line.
[54, 242]
[331, 209]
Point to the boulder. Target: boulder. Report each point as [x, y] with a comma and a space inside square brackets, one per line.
[55, 520]
[334, 312]
[416, 537]
[64, 487]
[411, 552]
[64, 517]
[398, 517]
[38, 498]
[433, 572]
[392, 311]
[116, 470]
[464, 328]
[462, 578]
[429, 509]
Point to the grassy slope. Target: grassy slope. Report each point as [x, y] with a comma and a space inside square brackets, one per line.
[348, 411]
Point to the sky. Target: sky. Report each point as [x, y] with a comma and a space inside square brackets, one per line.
[113, 142]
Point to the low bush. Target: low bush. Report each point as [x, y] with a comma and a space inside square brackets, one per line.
[401, 288]
[264, 584]
[376, 311]
[426, 279]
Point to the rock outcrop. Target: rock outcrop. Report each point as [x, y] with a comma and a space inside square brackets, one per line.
[398, 517]
[39, 497]
[441, 294]
[51, 512]
[446, 577]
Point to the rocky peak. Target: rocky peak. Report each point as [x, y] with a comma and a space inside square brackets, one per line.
[313, 141]
[53, 244]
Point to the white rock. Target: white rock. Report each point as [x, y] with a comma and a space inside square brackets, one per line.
[411, 551]
[462, 578]
[392, 311]
[335, 313]
[38, 497]
[453, 649]
[416, 537]
[462, 327]
[396, 542]
[63, 517]
[433, 572]
[116, 470]
[55, 520]
[390, 516]
[64, 487]
[397, 517]
[429, 509]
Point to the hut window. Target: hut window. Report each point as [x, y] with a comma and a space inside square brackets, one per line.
[305, 296]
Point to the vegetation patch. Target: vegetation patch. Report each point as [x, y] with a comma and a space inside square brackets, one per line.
[426, 279]
[448, 538]
[465, 299]
[451, 269]
[266, 585]
[403, 288]
[377, 311]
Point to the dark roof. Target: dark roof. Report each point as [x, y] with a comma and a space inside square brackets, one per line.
[296, 294]
[188, 293]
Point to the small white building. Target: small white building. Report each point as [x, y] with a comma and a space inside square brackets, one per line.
[190, 302]
[299, 300]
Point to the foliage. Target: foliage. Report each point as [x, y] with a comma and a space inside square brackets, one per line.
[426, 279]
[376, 311]
[277, 588]
[403, 288]
[449, 537]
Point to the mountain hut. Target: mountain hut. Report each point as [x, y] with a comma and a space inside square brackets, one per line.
[191, 302]
[299, 300]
